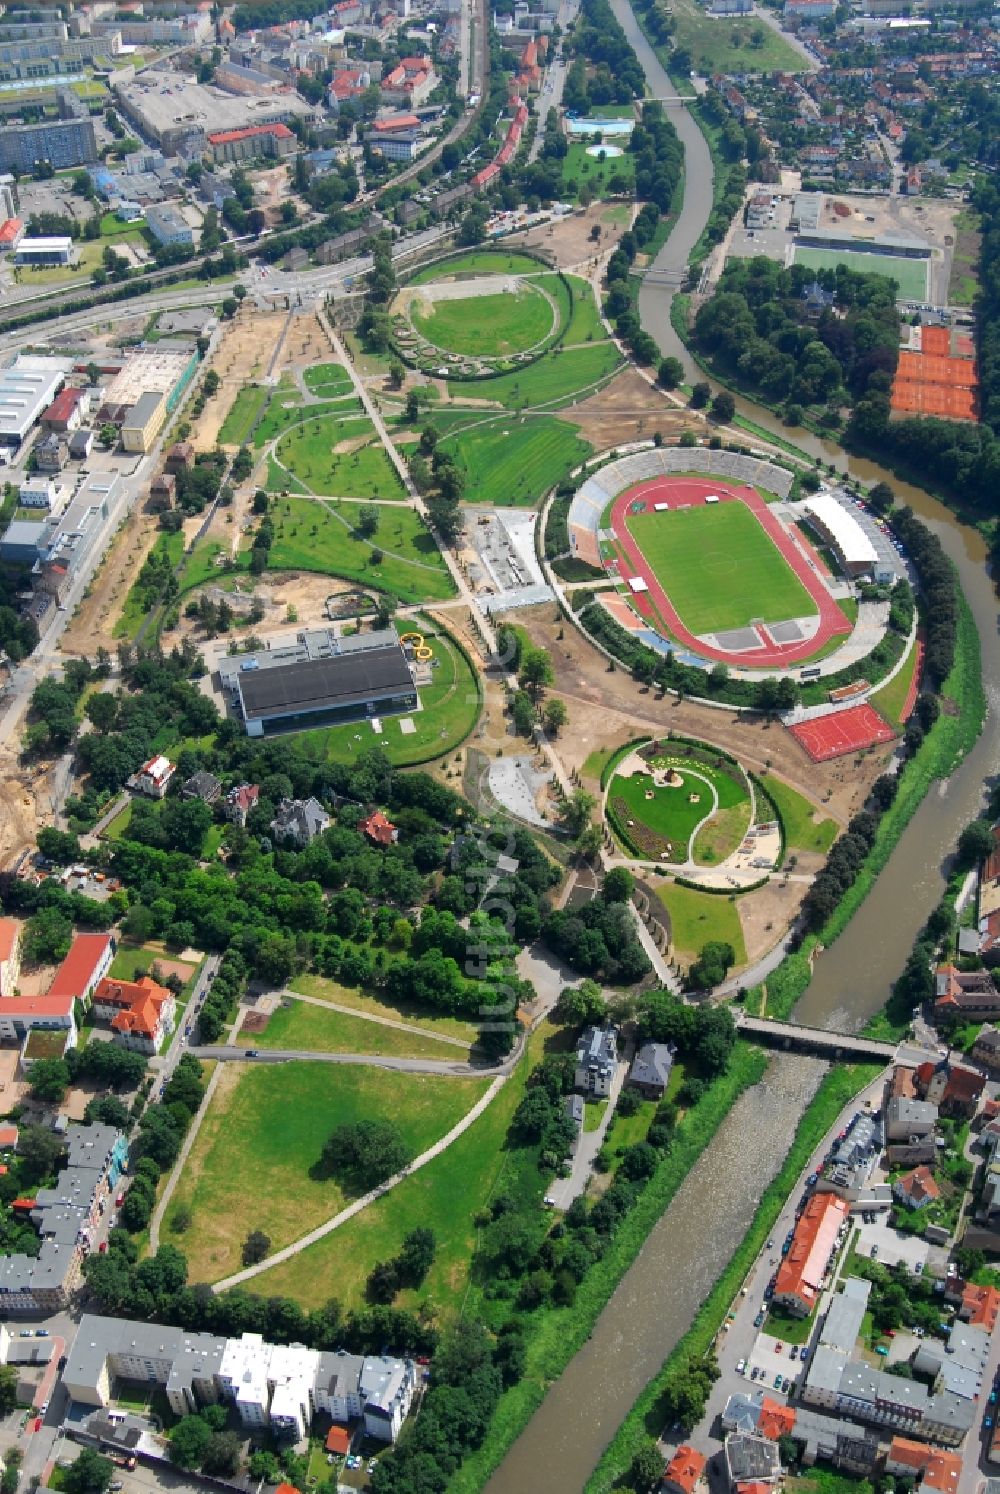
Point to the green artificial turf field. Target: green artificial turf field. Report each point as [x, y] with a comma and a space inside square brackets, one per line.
[909, 274]
[486, 326]
[719, 568]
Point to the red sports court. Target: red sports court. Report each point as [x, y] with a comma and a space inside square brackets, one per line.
[842, 732]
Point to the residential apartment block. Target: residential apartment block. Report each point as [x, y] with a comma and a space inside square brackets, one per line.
[63, 143]
[275, 1386]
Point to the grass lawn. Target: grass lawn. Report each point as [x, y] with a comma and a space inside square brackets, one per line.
[314, 536]
[719, 567]
[135, 608]
[790, 1329]
[670, 813]
[339, 458]
[517, 459]
[447, 1193]
[478, 262]
[727, 45]
[585, 323]
[242, 413]
[489, 326]
[120, 823]
[201, 566]
[264, 1132]
[626, 1130]
[909, 274]
[593, 1114]
[132, 957]
[892, 698]
[697, 917]
[595, 762]
[555, 379]
[580, 170]
[328, 380]
[320, 1030]
[329, 990]
[806, 828]
[450, 709]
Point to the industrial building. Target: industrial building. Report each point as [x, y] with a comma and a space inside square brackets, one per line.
[275, 1386]
[151, 369]
[63, 143]
[168, 226]
[144, 421]
[51, 251]
[27, 387]
[318, 679]
[168, 110]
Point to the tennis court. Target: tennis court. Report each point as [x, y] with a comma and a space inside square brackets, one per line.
[842, 732]
[930, 380]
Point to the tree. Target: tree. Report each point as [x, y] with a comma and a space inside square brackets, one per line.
[670, 373]
[264, 1466]
[554, 716]
[230, 306]
[39, 1150]
[58, 845]
[416, 1256]
[189, 1442]
[581, 1004]
[647, 1467]
[222, 1455]
[723, 406]
[881, 498]
[618, 885]
[49, 1079]
[368, 517]
[701, 393]
[536, 671]
[363, 1154]
[975, 843]
[575, 812]
[89, 1474]
[255, 1247]
[8, 1388]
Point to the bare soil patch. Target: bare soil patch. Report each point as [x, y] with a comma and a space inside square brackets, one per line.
[568, 239]
[244, 357]
[601, 701]
[627, 409]
[767, 913]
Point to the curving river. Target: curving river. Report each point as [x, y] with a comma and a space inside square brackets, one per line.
[685, 1252]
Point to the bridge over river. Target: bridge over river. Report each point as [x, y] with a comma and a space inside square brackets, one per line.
[816, 1041]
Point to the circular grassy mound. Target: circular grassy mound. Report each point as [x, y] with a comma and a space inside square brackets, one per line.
[488, 326]
[680, 804]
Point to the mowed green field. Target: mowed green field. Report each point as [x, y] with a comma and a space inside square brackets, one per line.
[314, 536]
[719, 568]
[486, 326]
[515, 461]
[909, 274]
[478, 262]
[254, 1163]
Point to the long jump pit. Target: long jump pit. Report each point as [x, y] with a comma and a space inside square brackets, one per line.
[843, 732]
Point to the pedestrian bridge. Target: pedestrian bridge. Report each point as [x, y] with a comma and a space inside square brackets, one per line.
[835, 1046]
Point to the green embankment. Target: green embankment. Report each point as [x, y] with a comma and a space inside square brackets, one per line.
[836, 1090]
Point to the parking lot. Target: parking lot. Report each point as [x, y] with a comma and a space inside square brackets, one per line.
[879, 1241]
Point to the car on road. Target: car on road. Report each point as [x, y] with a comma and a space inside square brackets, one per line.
[120, 1199]
[43, 1407]
[41, 1333]
[777, 1382]
[250, 1053]
[874, 1251]
[102, 1249]
[741, 1367]
[987, 1421]
[812, 1180]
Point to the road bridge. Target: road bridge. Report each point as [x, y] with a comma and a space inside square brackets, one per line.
[836, 1046]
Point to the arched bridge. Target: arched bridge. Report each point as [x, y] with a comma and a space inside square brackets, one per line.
[836, 1046]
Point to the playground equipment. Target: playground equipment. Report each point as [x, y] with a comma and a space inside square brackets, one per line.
[422, 651]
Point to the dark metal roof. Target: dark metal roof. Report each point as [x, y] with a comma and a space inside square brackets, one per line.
[317, 684]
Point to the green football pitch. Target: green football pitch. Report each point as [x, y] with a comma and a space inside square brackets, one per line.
[909, 274]
[719, 568]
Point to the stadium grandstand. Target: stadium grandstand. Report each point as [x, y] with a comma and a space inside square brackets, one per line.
[593, 496]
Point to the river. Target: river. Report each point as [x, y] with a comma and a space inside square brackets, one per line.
[659, 1295]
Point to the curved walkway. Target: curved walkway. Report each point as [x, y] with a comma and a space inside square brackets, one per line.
[353, 1011]
[356, 1207]
[232, 1054]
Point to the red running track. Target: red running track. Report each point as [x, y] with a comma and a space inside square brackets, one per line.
[680, 491]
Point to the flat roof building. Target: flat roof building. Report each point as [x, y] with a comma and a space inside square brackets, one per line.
[841, 529]
[54, 250]
[27, 387]
[63, 143]
[320, 678]
[144, 421]
[168, 109]
[154, 369]
[168, 226]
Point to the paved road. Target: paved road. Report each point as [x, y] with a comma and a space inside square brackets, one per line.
[668, 269]
[227, 1054]
[562, 1191]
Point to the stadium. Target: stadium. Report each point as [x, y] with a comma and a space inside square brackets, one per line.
[704, 565]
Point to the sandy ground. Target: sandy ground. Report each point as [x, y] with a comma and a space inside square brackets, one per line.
[601, 701]
[765, 915]
[627, 409]
[25, 802]
[305, 593]
[568, 240]
[243, 357]
[92, 624]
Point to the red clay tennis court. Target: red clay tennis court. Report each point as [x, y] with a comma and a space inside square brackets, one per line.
[932, 381]
[842, 732]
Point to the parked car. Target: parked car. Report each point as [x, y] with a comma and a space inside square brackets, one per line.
[778, 1346]
[741, 1367]
[759, 1319]
[793, 1352]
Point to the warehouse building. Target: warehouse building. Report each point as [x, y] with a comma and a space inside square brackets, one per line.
[144, 421]
[23, 541]
[839, 238]
[27, 387]
[76, 535]
[320, 679]
[54, 250]
[63, 143]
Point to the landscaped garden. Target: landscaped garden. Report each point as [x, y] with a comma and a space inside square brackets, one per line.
[696, 918]
[486, 326]
[401, 556]
[657, 802]
[255, 1164]
[337, 457]
[515, 460]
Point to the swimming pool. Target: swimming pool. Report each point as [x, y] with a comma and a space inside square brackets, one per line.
[600, 126]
